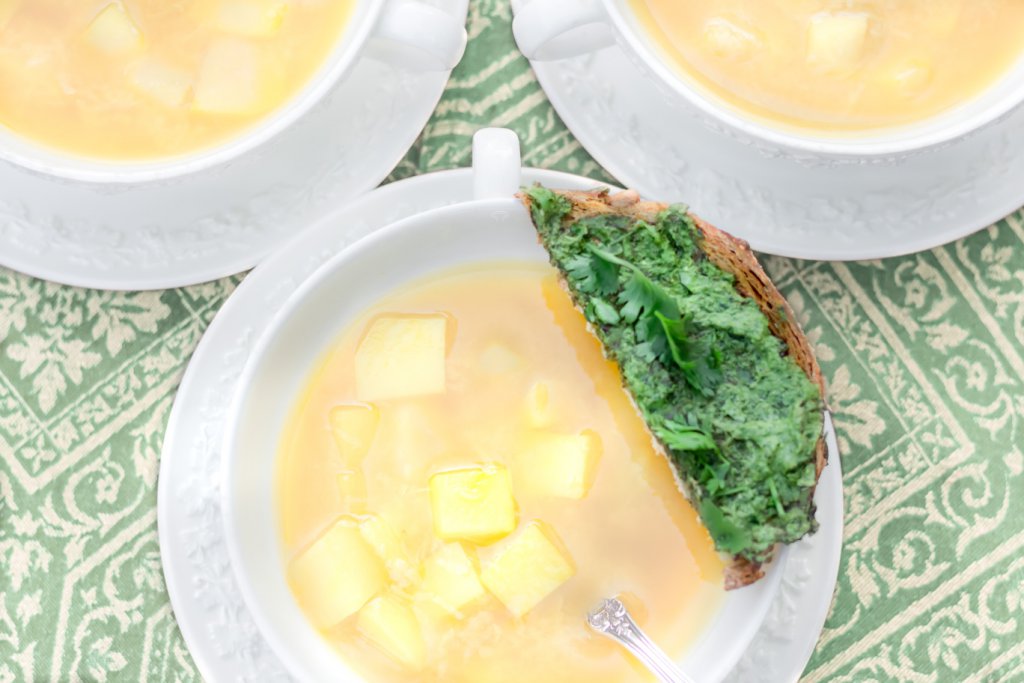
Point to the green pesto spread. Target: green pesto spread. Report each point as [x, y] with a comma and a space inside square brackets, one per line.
[738, 418]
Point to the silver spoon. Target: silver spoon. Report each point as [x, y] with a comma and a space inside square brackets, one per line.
[611, 619]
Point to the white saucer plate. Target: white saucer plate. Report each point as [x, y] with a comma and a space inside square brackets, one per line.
[802, 208]
[221, 634]
[225, 220]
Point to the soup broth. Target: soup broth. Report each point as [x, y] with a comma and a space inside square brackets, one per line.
[468, 455]
[839, 64]
[142, 79]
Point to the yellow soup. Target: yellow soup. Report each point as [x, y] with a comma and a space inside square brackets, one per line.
[839, 65]
[139, 79]
[464, 479]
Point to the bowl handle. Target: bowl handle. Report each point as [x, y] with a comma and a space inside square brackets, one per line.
[416, 36]
[547, 31]
[497, 165]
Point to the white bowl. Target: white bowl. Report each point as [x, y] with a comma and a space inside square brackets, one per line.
[481, 231]
[546, 31]
[408, 33]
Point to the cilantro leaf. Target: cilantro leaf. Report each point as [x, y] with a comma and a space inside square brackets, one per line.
[609, 257]
[640, 296]
[605, 312]
[593, 275]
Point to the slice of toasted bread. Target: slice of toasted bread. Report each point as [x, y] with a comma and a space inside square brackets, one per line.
[734, 256]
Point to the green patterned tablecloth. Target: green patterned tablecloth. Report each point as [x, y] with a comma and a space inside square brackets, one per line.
[924, 357]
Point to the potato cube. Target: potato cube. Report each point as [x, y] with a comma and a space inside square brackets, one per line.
[538, 405]
[528, 568]
[390, 548]
[230, 79]
[113, 31]
[254, 18]
[162, 82]
[836, 40]
[561, 465]
[390, 624]
[498, 359]
[910, 76]
[727, 39]
[354, 427]
[401, 356]
[450, 578]
[473, 504]
[336, 575]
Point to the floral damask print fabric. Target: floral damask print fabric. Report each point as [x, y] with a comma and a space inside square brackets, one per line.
[923, 355]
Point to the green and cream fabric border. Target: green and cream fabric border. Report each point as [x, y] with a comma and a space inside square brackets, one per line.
[924, 356]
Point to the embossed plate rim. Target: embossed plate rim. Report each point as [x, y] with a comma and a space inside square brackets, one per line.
[195, 418]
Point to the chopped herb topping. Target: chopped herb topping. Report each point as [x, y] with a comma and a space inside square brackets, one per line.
[738, 418]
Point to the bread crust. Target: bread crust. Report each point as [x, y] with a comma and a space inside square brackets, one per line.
[734, 256]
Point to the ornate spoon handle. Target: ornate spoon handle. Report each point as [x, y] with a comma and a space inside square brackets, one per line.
[611, 619]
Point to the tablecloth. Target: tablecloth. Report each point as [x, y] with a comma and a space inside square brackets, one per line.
[924, 358]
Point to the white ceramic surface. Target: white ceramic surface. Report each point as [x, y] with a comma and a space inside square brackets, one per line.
[223, 220]
[221, 634]
[784, 204]
[471, 232]
[546, 30]
[436, 241]
[407, 33]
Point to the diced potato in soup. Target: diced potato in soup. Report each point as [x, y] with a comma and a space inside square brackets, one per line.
[836, 66]
[450, 578]
[528, 568]
[836, 39]
[389, 623]
[389, 545]
[401, 356]
[113, 31]
[384, 540]
[473, 504]
[164, 83]
[233, 79]
[337, 574]
[354, 427]
[492, 515]
[562, 465]
[727, 39]
[251, 17]
[539, 411]
[498, 359]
